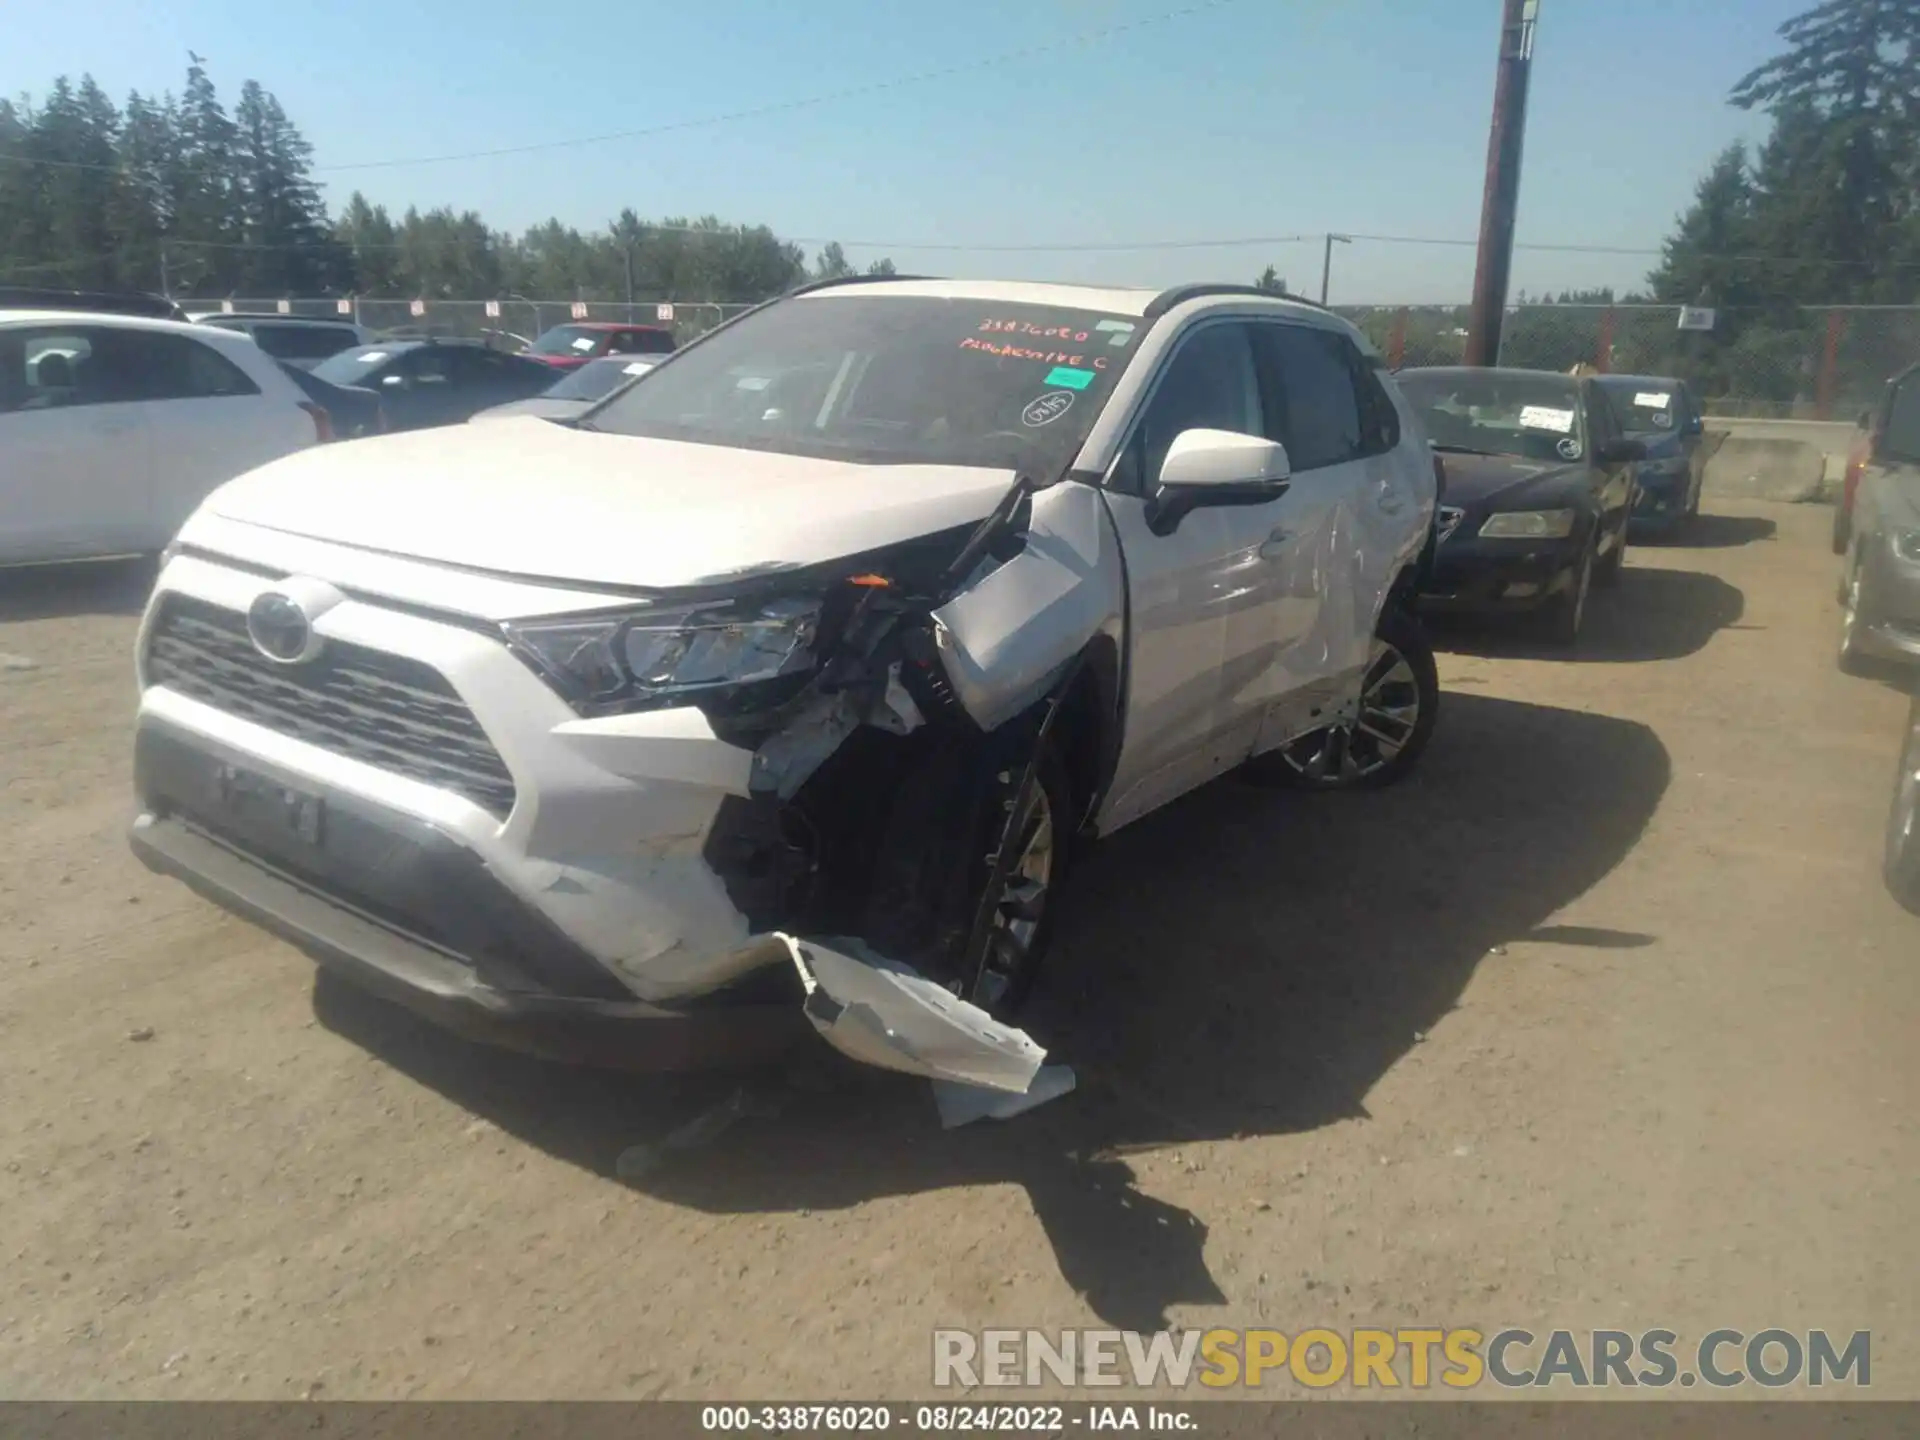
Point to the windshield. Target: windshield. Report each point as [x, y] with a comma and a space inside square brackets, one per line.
[1644, 407]
[353, 367]
[1497, 412]
[890, 380]
[595, 379]
[569, 340]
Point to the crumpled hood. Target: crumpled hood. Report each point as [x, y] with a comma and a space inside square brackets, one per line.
[1501, 482]
[524, 497]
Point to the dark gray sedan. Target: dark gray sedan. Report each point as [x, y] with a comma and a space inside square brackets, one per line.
[1880, 581]
[1539, 486]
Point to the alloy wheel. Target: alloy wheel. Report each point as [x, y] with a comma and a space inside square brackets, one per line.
[1382, 724]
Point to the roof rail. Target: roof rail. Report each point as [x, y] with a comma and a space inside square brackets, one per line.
[831, 280]
[1180, 294]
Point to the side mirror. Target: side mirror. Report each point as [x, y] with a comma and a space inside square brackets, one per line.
[1216, 467]
[1621, 452]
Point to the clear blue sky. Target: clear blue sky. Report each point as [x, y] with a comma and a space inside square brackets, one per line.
[1258, 118]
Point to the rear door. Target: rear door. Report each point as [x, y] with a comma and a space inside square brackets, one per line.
[486, 377]
[1292, 655]
[75, 454]
[209, 420]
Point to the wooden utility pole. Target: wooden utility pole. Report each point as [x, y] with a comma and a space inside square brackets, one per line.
[1502, 195]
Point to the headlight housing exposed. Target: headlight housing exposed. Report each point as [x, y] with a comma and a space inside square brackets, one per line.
[1906, 545]
[646, 659]
[1529, 525]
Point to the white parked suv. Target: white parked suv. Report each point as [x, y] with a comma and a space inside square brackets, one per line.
[113, 428]
[834, 636]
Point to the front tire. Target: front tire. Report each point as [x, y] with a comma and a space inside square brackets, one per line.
[1606, 573]
[1900, 867]
[1853, 658]
[1022, 920]
[1566, 616]
[1398, 707]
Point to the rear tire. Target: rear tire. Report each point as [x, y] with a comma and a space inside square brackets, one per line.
[1398, 708]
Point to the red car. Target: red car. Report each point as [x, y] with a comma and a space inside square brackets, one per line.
[568, 347]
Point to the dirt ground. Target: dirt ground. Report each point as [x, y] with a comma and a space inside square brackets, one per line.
[1602, 1020]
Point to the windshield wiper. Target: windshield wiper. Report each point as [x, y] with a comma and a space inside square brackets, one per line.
[1464, 450]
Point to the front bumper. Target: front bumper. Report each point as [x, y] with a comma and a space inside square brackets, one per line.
[588, 909]
[1889, 605]
[1475, 576]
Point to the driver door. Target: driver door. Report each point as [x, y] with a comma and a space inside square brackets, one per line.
[1206, 602]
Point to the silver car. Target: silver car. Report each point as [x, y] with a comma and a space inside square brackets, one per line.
[1880, 584]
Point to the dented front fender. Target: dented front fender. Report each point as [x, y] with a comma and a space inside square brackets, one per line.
[1005, 641]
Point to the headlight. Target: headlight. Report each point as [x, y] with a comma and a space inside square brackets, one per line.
[1529, 525]
[1906, 544]
[646, 658]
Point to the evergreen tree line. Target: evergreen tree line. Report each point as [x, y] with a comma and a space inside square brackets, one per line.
[177, 194]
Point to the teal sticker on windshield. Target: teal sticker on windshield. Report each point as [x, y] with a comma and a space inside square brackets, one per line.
[1069, 377]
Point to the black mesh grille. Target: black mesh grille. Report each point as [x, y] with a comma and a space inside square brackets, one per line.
[383, 709]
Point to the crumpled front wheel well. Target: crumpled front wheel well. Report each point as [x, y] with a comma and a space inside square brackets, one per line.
[1088, 729]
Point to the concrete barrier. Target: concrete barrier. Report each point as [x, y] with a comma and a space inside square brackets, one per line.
[1789, 460]
[1766, 469]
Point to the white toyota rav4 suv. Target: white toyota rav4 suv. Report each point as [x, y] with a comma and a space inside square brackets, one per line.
[783, 681]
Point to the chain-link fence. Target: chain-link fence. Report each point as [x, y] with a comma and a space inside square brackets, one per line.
[507, 324]
[1789, 362]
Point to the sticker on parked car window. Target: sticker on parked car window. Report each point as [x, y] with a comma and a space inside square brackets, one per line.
[1118, 332]
[1545, 417]
[373, 357]
[1661, 419]
[1068, 376]
[1569, 448]
[638, 367]
[585, 342]
[1651, 400]
[1047, 408]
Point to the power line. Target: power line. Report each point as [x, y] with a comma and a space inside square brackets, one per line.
[1087, 37]
[783, 107]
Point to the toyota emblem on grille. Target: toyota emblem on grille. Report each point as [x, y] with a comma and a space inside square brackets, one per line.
[280, 629]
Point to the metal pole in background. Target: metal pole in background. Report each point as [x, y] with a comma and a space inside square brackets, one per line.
[1502, 195]
[1326, 263]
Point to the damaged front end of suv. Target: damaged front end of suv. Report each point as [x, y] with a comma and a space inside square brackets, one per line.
[909, 804]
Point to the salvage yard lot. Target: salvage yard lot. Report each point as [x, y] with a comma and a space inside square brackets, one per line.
[1601, 1019]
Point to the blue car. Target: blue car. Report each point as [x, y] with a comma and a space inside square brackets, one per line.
[1661, 412]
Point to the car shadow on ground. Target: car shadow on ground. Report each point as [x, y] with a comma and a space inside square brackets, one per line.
[1246, 962]
[1653, 614]
[81, 587]
[1711, 532]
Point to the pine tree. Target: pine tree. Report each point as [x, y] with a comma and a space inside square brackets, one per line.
[282, 221]
[1697, 260]
[206, 196]
[140, 210]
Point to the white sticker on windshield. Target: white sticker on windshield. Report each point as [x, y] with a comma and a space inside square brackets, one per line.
[585, 342]
[1545, 417]
[753, 382]
[1569, 448]
[638, 367]
[1651, 400]
[373, 357]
